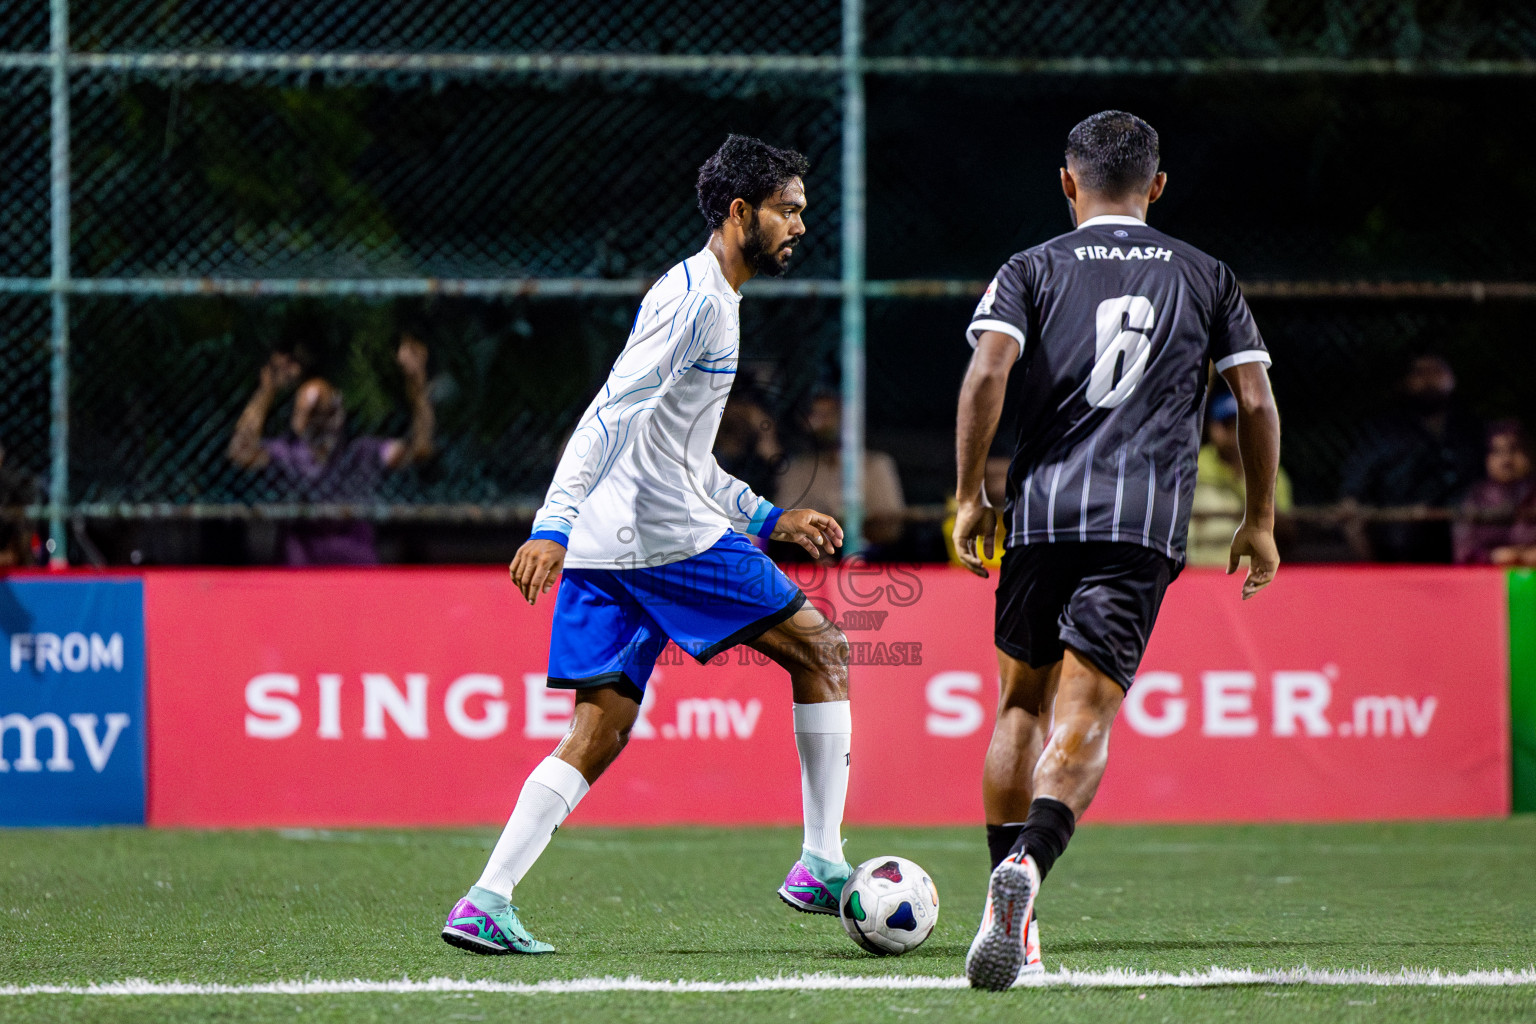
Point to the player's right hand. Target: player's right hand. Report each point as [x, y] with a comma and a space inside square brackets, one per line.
[535, 567]
[1258, 544]
[975, 534]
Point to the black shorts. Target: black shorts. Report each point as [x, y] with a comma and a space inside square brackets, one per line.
[1098, 598]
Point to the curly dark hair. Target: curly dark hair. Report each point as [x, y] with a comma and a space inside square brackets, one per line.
[744, 168]
[1114, 153]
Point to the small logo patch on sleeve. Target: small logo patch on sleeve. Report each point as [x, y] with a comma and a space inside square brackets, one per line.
[985, 305]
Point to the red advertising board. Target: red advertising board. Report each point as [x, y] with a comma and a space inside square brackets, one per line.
[395, 697]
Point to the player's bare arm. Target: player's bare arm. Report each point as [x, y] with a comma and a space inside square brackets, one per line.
[816, 532]
[1258, 441]
[981, 404]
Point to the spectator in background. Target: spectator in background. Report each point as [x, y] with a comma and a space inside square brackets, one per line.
[1499, 524]
[1220, 492]
[815, 480]
[747, 444]
[17, 489]
[318, 463]
[1425, 454]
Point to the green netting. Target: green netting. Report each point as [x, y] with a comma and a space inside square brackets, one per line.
[360, 149]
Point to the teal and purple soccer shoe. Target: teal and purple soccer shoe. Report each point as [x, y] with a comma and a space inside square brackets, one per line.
[815, 886]
[492, 934]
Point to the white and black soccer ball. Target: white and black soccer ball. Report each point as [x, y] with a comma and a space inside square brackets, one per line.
[889, 906]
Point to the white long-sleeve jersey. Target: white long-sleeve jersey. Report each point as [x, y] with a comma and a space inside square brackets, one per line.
[638, 484]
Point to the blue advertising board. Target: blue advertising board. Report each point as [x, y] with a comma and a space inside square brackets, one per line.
[71, 702]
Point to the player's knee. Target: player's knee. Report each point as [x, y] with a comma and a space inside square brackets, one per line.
[1077, 735]
[832, 660]
[824, 659]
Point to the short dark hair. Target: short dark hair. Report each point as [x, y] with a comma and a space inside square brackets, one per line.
[744, 168]
[1114, 153]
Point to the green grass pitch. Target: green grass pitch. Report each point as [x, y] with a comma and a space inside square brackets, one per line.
[238, 908]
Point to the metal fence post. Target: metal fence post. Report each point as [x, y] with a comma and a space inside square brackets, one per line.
[58, 436]
[853, 277]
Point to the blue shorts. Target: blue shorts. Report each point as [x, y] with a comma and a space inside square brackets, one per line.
[611, 624]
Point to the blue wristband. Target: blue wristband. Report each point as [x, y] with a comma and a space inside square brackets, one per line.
[764, 526]
[554, 535]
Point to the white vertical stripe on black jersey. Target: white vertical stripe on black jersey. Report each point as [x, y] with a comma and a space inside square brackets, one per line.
[1146, 528]
[1050, 506]
[1173, 521]
[1114, 533]
[1082, 523]
[1023, 523]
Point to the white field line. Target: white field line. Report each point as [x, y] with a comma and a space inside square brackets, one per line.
[1213, 977]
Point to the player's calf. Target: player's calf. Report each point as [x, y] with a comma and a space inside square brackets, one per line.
[815, 653]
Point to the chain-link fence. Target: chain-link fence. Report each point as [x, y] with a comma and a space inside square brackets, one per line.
[193, 185]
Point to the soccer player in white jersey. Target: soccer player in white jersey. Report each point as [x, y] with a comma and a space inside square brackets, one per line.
[650, 533]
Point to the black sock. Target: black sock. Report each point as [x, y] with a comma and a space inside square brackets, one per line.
[1046, 832]
[1000, 840]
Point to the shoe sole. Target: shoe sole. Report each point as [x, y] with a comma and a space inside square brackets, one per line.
[797, 905]
[473, 943]
[995, 959]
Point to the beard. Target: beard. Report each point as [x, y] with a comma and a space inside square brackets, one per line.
[760, 257]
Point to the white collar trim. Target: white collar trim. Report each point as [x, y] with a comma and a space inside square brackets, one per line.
[719, 271]
[1111, 218]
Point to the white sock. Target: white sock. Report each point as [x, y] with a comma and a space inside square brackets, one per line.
[552, 791]
[824, 738]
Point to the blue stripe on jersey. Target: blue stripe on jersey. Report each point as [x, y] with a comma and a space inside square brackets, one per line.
[641, 386]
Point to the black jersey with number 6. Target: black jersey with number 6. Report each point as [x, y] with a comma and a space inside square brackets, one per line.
[1115, 322]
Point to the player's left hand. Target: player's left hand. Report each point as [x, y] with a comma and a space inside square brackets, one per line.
[975, 534]
[535, 567]
[815, 531]
[1258, 544]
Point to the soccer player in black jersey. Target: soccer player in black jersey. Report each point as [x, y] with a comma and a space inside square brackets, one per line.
[1111, 328]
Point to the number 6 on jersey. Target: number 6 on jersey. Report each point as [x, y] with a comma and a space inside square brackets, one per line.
[1121, 349]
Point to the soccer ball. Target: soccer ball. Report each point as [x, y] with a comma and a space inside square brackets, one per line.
[889, 906]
